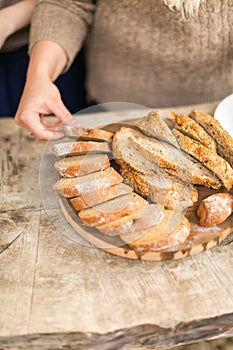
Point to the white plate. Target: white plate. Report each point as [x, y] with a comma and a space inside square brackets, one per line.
[224, 113]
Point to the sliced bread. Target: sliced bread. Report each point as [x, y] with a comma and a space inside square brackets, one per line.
[76, 186]
[164, 235]
[104, 194]
[218, 133]
[113, 209]
[148, 179]
[87, 134]
[210, 159]
[171, 194]
[151, 215]
[192, 129]
[80, 147]
[172, 160]
[81, 165]
[155, 126]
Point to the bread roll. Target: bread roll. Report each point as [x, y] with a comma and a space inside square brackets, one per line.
[215, 209]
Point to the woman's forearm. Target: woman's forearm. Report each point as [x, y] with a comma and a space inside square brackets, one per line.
[47, 61]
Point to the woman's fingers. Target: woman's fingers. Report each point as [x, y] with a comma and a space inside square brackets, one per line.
[38, 129]
[59, 110]
[42, 98]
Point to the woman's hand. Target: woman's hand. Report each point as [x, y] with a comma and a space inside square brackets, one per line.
[41, 97]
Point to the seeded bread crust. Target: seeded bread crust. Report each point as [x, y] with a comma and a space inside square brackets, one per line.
[130, 204]
[80, 147]
[76, 186]
[88, 200]
[192, 129]
[210, 159]
[221, 136]
[81, 165]
[161, 236]
[155, 126]
[139, 181]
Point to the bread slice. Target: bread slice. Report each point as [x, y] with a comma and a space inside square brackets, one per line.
[88, 200]
[171, 195]
[155, 126]
[192, 129]
[76, 186]
[202, 175]
[81, 165]
[167, 157]
[210, 159]
[221, 136]
[151, 215]
[171, 159]
[164, 235]
[114, 209]
[80, 147]
[148, 179]
[87, 134]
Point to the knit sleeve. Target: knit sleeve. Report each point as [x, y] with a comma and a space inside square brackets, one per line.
[65, 22]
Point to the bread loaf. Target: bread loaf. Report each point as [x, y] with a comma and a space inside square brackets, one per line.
[114, 209]
[79, 147]
[76, 186]
[163, 235]
[188, 126]
[215, 209]
[210, 159]
[103, 194]
[81, 165]
[221, 136]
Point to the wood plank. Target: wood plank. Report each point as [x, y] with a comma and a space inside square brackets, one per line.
[99, 292]
[141, 337]
[17, 266]
[20, 156]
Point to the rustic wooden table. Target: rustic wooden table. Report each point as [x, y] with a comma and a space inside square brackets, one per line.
[57, 294]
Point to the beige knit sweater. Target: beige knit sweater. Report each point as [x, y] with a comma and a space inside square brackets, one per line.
[140, 51]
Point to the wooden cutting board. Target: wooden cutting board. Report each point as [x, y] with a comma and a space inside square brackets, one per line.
[199, 239]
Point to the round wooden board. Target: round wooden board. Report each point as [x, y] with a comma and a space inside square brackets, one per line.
[199, 240]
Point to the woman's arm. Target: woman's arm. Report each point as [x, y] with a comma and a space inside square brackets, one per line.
[41, 96]
[58, 30]
[14, 18]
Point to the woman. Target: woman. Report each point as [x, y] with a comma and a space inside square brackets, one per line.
[155, 53]
[15, 18]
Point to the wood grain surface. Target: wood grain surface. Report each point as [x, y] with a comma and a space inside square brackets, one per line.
[58, 293]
